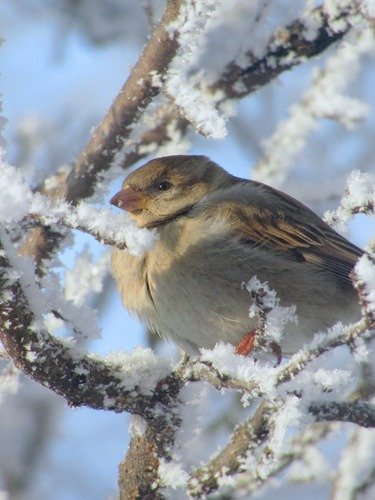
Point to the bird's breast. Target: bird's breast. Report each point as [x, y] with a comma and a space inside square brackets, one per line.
[132, 279]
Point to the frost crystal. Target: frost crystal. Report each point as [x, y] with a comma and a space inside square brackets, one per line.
[325, 98]
[266, 306]
[198, 107]
[15, 202]
[86, 277]
[140, 368]
[138, 425]
[118, 228]
[359, 196]
[172, 474]
[364, 272]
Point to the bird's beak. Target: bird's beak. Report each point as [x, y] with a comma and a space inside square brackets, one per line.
[129, 199]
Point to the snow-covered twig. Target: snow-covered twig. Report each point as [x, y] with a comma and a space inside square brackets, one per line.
[249, 453]
[357, 412]
[295, 451]
[356, 471]
[363, 276]
[135, 95]
[83, 380]
[324, 98]
[246, 439]
[237, 463]
[111, 229]
[272, 318]
[359, 198]
[213, 372]
[286, 49]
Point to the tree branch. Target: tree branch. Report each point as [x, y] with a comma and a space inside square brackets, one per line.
[251, 482]
[139, 89]
[287, 48]
[246, 438]
[356, 412]
[202, 370]
[138, 472]
[82, 380]
[107, 141]
[249, 437]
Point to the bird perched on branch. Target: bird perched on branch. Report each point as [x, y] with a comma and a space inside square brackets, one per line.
[217, 231]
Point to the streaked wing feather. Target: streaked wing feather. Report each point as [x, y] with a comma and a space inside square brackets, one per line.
[294, 229]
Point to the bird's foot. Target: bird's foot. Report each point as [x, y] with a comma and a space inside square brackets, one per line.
[246, 344]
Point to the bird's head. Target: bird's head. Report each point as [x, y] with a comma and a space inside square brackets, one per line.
[167, 187]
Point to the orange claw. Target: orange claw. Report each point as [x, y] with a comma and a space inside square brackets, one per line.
[246, 344]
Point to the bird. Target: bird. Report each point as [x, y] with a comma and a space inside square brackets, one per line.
[215, 232]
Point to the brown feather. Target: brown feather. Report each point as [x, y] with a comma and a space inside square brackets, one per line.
[293, 229]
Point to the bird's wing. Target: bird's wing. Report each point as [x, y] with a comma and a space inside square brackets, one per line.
[263, 216]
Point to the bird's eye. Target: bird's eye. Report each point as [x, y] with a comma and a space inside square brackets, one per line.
[164, 186]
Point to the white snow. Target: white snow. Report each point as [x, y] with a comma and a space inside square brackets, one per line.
[365, 275]
[172, 474]
[325, 98]
[224, 359]
[368, 8]
[356, 464]
[140, 368]
[116, 227]
[78, 315]
[86, 277]
[360, 351]
[276, 316]
[137, 426]
[22, 270]
[17, 202]
[195, 105]
[359, 192]
[288, 415]
[15, 195]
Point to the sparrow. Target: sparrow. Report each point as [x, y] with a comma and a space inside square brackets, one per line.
[215, 232]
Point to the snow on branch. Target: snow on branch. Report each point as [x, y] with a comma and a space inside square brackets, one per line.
[222, 368]
[105, 226]
[191, 101]
[304, 38]
[87, 277]
[272, 318]
[324, 98]
[364, 282]
[137, 92]
[251, 455]
[257, 451]
[246, 439]
[123, 384]
[356, 470]
[359, 198]
[111, 229]
[357, 412]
